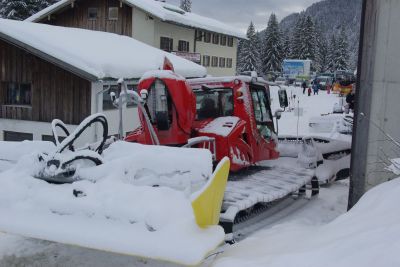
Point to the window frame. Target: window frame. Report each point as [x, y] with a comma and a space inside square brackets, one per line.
[109, 12]
[230, 41]
[206, 60]
[216, 62]
[229, 63]
[207, 37]
[170, 43]
[92, 9]
[223, 40]
[221, 62]
[215, 38]
[183, 44]
[9, 95]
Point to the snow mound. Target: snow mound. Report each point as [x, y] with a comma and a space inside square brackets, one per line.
[128, 205]
[367, 235]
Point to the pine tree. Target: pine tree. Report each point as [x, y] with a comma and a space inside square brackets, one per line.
[186, 5]
[342, 60]
[321, 53]
[297, 39]
[249, 52]
[332, 54]
[286, 45]
[272, 47]
[308, 41]
[22, 9]
[258, 47]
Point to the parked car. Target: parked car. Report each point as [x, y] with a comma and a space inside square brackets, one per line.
[325, 81]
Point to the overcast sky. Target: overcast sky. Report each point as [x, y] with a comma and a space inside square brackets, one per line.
[239, 13]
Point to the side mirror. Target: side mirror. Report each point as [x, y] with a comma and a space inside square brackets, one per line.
[278, 114]
[283, 99]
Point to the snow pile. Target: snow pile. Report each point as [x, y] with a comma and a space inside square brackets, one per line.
[100, 54]
[394, 166]
[127, 205]
[367, 235]
[163, 11]
[11, 152]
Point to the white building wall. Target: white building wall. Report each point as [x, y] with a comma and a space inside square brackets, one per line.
[143, 27]
[163, 29]
[218, 50]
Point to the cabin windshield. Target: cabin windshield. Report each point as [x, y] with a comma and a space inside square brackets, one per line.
[214, 103]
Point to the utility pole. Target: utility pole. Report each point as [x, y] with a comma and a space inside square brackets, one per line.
[377, 97]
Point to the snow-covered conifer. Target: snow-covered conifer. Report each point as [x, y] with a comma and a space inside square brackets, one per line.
[332, 54]
[321, 63]
[186, 5]
[22, 9]
[297, 39]
[286, 45]
[308, 41]
[342, 51]
[249, 52]
[272, 47]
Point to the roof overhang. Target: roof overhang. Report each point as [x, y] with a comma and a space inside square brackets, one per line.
[62, 4]
[68, 67]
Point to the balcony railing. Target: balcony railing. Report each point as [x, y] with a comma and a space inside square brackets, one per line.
[16, 112]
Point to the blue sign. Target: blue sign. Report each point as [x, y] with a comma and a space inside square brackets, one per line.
[293, 68]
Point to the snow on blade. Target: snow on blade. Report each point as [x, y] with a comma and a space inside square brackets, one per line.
[128, 205]
[101, 54]
[367, 235]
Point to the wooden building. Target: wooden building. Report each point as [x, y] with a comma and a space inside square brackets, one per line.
[203, 40]
[49, 72]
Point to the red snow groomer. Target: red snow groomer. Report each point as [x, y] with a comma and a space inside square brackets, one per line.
[231, 116]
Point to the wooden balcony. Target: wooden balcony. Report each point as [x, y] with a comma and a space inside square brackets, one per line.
[16, 112]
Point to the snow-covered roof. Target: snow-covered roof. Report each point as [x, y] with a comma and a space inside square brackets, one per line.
[163, 11]
[92, 54]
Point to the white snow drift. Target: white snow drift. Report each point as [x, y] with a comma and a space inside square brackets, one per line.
[115, 207]
[367, 235]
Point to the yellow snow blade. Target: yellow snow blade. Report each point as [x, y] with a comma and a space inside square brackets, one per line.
[208, 201]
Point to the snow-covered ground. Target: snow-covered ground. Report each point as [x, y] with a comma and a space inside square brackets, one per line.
[19, 251]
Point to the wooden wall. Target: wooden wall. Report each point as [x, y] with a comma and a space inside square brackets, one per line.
[77, 17]
[56, 93]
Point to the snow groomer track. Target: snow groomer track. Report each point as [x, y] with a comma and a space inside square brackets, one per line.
[260, 188]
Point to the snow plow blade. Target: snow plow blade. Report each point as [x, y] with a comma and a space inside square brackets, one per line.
[158, 222]
[207, 202]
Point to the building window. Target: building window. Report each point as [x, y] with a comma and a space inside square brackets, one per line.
[206, 61]
[223, 40]
[113, 13]
[166, 44]
[229, 63]
[214, 62]
[92, 12]
[230, 41]
[51, 138]
[107, 101]
[199, 36]
[222, 62]
[207, 37]
[17, 136]
[18, 94]
[183, 46]
[215, 38]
